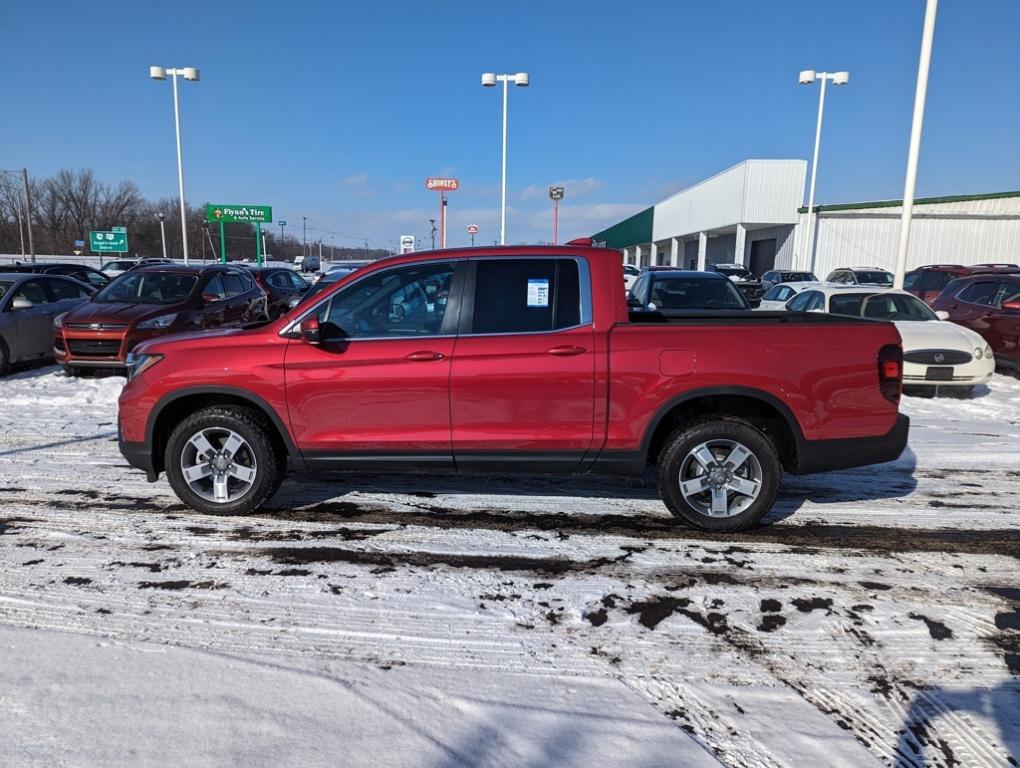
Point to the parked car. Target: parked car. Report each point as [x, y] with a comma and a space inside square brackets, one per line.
[341, 267]
[154, 301]
[777, 276]
[935, 353]
[743, 278]
[328, 279]
[776, 297]
[28, 304]
[929, 281]
[281, 285]
[861, 276]
[519, 358]
[116, 268]
[630, 274]
[306, 263]
[79, 272]
[988, 304]
[669, 290]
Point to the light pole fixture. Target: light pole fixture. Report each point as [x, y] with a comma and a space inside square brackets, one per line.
[489, 80]
[188, 73]
[807, 77]
[162, 231]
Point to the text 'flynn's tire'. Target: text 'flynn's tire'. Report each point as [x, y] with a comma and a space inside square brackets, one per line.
[221, 460]
[719, 474]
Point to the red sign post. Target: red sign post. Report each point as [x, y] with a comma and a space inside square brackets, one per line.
[442, 186]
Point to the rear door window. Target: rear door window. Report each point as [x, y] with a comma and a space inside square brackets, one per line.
[215, 288]
[232, 284]
[526, 295]
[34, 291]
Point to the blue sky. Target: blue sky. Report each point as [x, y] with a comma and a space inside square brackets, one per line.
[338, 111]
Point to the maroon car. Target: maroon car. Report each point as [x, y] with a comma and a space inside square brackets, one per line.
[988, 303]
[154, 301]
[927, 282]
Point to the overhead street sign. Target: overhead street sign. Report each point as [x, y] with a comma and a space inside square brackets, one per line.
[441, 185]
[108, 242]
[229, 214]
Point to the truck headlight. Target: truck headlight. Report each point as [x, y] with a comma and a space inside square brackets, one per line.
[138, 363]
[58, 321]
[157, 323]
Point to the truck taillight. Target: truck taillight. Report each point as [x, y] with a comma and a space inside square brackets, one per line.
[890, 372]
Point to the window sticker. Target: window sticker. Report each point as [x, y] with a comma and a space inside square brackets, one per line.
[538, 292]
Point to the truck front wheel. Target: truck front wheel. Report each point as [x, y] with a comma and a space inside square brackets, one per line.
[719, 474]
[221, 460]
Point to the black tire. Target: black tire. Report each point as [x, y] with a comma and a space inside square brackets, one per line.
[252, 427]
[71, 371]
[5, 358]
[674, 460]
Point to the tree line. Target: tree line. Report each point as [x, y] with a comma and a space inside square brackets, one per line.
[70, 204]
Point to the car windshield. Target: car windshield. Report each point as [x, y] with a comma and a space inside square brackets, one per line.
[741, 273]
[799, 277]
[695, 293]
[148, 288]
[777, 293]
[119, 265]
[875, 277]
[881, 306]
[4, 287]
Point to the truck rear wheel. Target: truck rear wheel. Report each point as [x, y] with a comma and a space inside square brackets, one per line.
[719, 474]
[222, 460]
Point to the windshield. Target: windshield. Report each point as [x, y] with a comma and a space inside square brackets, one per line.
[881, 306]
[874, 277]
[119, 265]
[148, 288]
[4, 287]
[799, 277]
[741, 273]
[695, 293]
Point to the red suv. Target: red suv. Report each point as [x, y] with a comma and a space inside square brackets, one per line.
[154, 301]
[988, 303]
[927, 282]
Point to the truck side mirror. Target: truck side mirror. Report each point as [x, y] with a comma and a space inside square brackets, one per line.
[309, 330]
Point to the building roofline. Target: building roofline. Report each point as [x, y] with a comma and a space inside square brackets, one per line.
[917, 201]
[732, 167]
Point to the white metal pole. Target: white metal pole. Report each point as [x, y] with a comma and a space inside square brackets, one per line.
[915, 141]
[180, 169]
[809, 244]
[162, 233]
[502, 204]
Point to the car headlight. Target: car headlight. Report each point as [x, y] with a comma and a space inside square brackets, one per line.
[988, 350]
[979, 353]
[138, 363]
[157, 323]
[58, 321]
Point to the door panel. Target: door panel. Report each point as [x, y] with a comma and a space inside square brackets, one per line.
[370, 395]
[33, 335]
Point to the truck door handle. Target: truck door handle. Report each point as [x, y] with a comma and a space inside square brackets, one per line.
[424, 356]
[567, 350]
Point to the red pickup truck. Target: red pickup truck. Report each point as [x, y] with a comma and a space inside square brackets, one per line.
[515, 359]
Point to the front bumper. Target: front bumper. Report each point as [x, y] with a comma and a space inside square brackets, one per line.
[138, 456]
[827, 455]
[964, 375]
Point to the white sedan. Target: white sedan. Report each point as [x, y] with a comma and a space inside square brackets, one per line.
[935, 352]
[777, 297]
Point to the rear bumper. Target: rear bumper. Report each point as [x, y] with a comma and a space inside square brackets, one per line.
[827, 455]
[138, 456]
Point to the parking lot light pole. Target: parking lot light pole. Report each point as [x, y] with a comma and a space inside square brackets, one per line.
[489, 80]
[914, 149]
[189, 73]
[807, 77]
[162, 232]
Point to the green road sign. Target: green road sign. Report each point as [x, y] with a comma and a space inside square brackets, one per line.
[252, 214]
[108, 242]
[118, 229]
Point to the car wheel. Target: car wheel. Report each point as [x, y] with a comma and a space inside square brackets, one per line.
[719, 474]
[5, 358]
[221, 460]
[71, 371]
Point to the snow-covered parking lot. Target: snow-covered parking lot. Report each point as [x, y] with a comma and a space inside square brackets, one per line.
[447, 621]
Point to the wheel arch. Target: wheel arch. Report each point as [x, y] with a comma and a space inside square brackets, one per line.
[173, 408]
[761, 409]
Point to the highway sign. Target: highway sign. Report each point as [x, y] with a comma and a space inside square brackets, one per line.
[441, 185]
[108, 242]
[250, 214]
[472, 229]
[118, 229]
[79, 243]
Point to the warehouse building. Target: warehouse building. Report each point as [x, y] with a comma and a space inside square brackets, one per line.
[752, 214]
